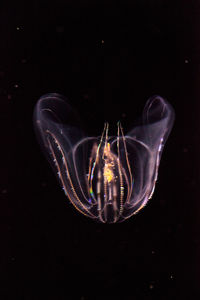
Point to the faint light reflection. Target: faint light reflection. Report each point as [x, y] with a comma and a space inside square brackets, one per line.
[151, 286]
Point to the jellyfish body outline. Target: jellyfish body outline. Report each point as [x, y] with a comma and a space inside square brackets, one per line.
[106, 178]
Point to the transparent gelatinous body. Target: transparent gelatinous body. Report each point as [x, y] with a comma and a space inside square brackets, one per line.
[106, 178]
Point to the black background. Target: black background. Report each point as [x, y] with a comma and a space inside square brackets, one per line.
[108, 58]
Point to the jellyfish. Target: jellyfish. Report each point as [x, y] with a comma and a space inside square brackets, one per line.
[106, 178]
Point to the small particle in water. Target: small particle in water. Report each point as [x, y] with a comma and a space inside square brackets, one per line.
[23, 60]
[60, 29]
[85, 96]
[151, 286]
[186, 61]
[16, 86]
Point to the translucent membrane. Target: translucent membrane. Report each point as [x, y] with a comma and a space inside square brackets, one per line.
[106, 178]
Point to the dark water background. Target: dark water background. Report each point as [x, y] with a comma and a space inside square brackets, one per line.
[108, 58]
